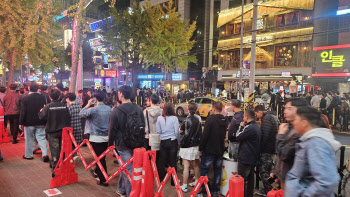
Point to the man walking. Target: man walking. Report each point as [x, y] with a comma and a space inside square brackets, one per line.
[30, 108]
[315, 101]
[248, 136]
[286, 140]
[120, 130]
[269, 128]
[314, 172]
[97, 126]
[212, 146]
[11, 108]
[57, 117]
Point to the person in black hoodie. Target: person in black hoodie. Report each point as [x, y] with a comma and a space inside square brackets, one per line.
[212, 146]
[234, 125]
[248, 136]
[269, 129]
[56, 115]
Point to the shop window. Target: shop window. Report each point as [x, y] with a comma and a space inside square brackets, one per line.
[286, 55]
[229, 29]
[288, 19]
[234, 59]
[237, 28]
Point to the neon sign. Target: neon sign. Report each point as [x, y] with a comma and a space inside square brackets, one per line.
[337, 61]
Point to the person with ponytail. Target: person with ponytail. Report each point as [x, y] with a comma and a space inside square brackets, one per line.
[168, 128]
[190, 135]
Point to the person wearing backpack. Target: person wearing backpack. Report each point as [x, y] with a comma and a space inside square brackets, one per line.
[151, 115]
[191, 133]
[97, 126]
[168, 128]
[126, 132]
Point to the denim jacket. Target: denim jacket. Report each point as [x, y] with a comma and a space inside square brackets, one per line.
[314, 173]
[97, 119]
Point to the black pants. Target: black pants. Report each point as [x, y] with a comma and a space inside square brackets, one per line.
[167, 157]
[99, 148]
[247, 172]
[14, 125]
[55, 140]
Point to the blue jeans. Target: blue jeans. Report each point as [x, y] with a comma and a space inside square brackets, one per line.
[206, 161]
[39, 133]
[124, 185]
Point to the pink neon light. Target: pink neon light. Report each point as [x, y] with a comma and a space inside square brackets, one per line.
[332, 47]
[331, 75]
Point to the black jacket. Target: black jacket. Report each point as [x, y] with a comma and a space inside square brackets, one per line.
[323, 103]
[234, 125]
[279, 98]
[192, 132]
[273, 99]
[57, 116]
[117, 124]
[269, 130]
[30, 108]
[249, 144]
[213, 139]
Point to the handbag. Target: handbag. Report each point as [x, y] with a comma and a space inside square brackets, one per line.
[154, 139]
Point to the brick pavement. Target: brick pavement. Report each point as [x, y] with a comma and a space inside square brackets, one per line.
[20, 177]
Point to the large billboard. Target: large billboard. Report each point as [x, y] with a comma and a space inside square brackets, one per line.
[332, 59]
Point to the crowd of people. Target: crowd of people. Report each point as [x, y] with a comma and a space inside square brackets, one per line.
[298, 156]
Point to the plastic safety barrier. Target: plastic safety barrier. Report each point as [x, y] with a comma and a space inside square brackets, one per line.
[66, 165]
[275, 193]
[4, 137]
[236, 184]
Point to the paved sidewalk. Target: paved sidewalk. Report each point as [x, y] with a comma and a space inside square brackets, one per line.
[20, 177]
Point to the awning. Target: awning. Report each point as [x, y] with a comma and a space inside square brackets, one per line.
[297, 35]
[265, 8]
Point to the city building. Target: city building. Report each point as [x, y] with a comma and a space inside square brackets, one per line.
[284, 43]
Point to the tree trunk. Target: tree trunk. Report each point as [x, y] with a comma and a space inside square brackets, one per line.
[75, 49]
[12, 67]
[134, 77]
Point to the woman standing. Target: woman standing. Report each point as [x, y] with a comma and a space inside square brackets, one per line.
[191, 133]
[168, 128]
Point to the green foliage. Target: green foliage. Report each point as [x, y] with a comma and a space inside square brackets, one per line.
[28, 28]
[169, 38]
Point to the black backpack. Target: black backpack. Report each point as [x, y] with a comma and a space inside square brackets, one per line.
[134, 132]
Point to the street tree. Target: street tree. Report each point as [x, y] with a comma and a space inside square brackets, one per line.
[28, 32]
[169, 38]
[126, 34]
[147, 36]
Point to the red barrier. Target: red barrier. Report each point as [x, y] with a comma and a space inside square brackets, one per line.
[64, 171]
[236, 184]
[137, 172]
[64, 162]
[171, 172]
[202, 180]
[147, 184]
[4, 137]
[275, 193]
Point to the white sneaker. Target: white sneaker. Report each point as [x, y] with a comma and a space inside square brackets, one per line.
[120, 194]
[75, 157]
[184, 188]
[193, 183]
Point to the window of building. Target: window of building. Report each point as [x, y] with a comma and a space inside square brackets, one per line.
[229, 29]
[286, 55]
[288, 19]
[237, 28]
[234, 59]
[344, 21]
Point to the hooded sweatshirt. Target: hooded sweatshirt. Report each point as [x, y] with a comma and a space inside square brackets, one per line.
[213, 140]
[314, 172]
[153, 114]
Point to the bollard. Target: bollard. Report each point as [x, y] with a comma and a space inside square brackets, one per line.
[277, 112]
[236, 184]
[333, 117]
[275, 193]
[137, 172]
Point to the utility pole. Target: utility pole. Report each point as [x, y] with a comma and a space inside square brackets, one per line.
[241, 56]
[253, 50]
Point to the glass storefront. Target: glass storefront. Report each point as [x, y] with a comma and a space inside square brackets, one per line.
[286, 55]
